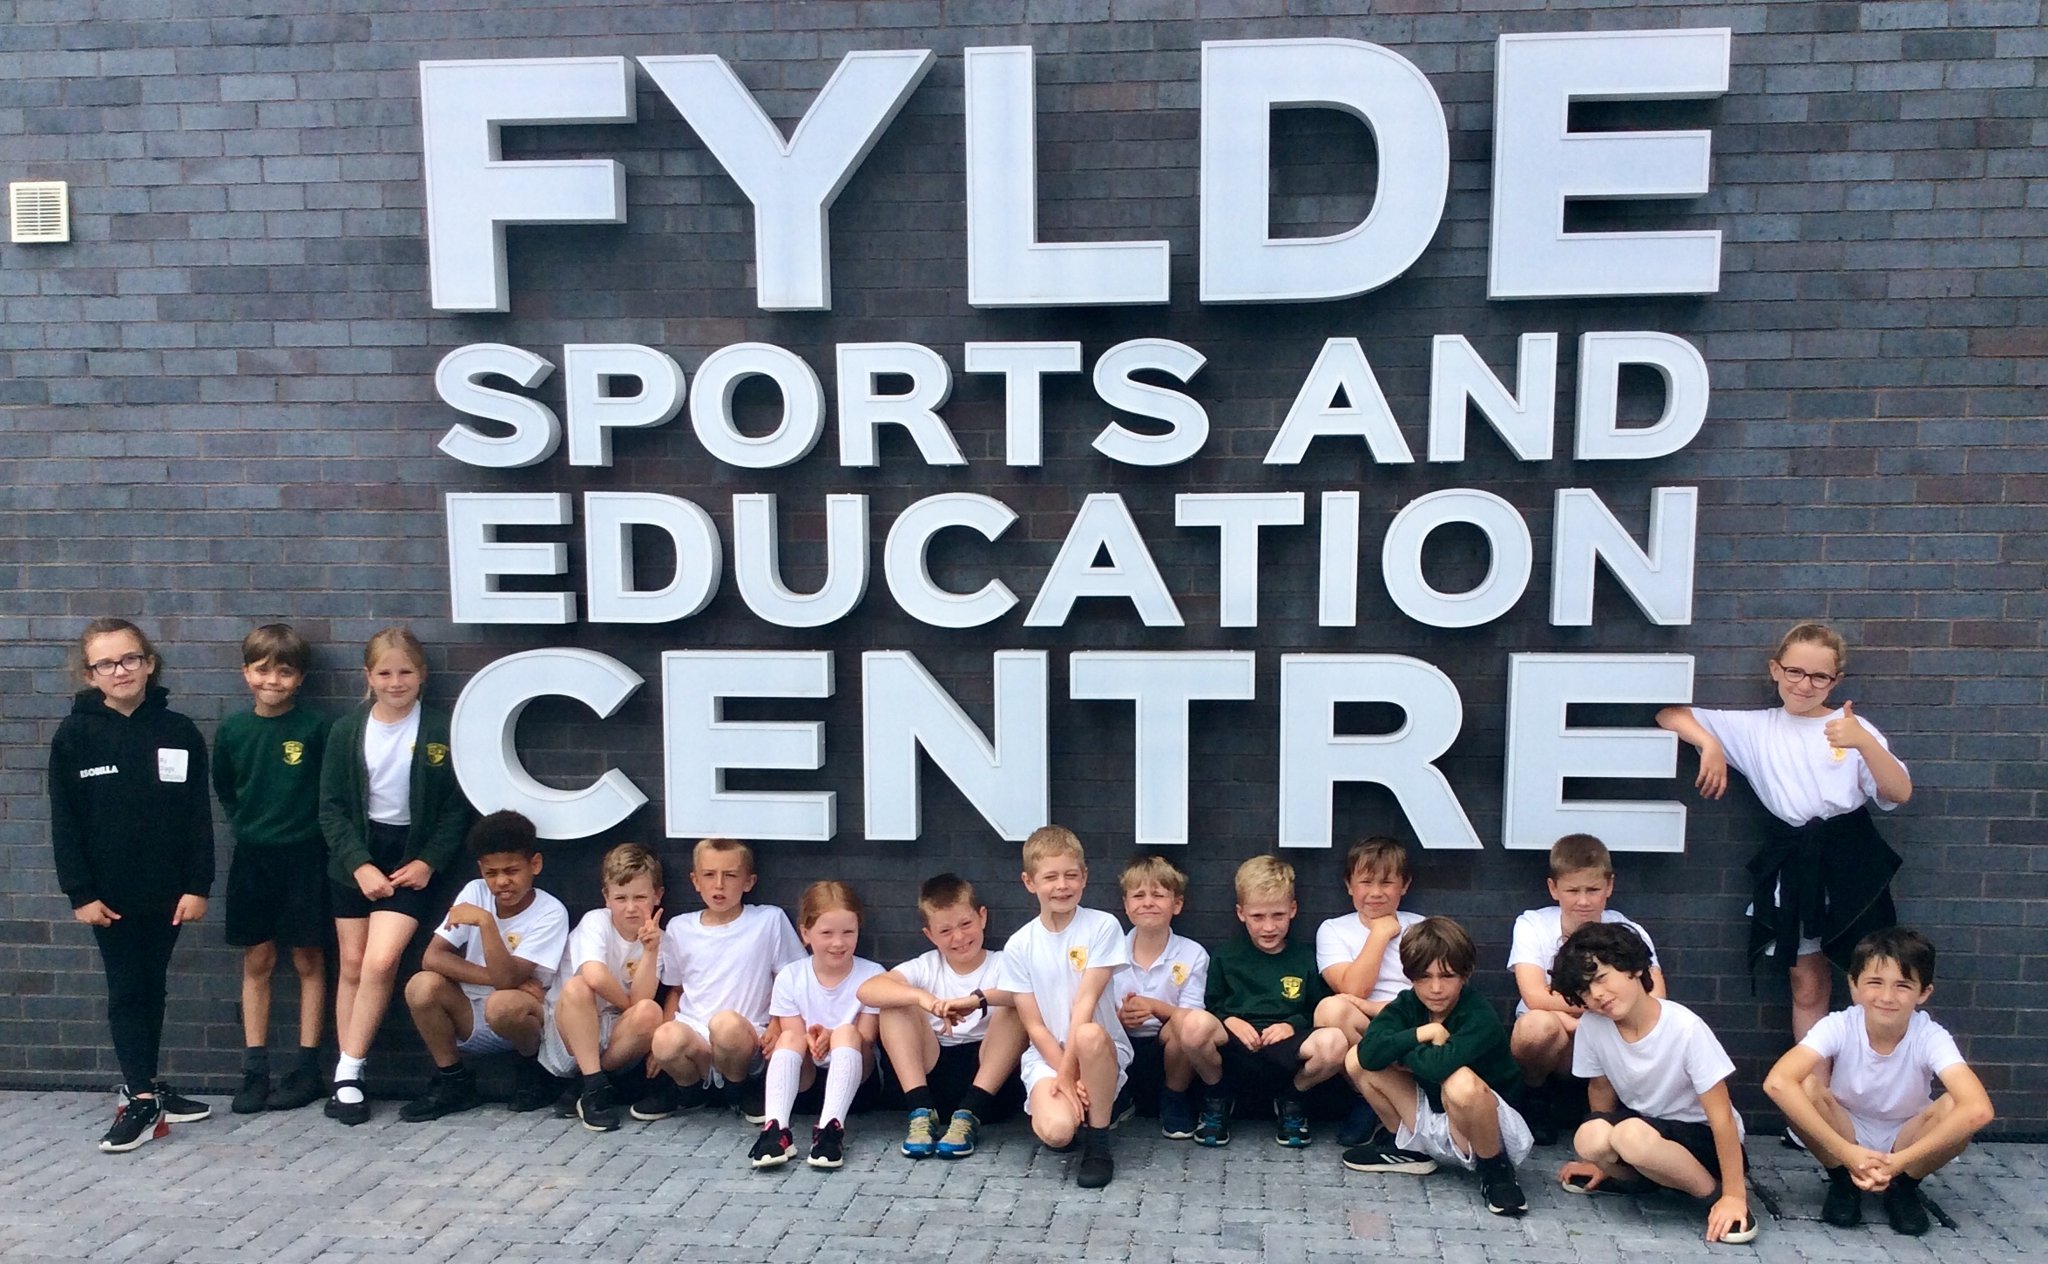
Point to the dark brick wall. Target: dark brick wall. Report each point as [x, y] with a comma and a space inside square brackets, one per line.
[218, 410]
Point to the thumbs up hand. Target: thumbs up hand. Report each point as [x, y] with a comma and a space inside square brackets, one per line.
[1845, 732]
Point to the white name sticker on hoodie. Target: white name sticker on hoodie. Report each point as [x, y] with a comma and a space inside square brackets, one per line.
[172, 763]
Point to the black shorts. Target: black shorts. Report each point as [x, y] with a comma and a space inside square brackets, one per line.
[953, 1074]
[278, 895]
[1147, 1074]
[1698, 1139]
[387, 852]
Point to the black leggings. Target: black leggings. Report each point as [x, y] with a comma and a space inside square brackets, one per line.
[137, 954]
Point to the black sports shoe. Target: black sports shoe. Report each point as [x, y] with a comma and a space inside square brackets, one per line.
[254, 1095]
[1212, 1128]
[350, 1113]
[138, 1119]
[1290, 1125]
[178, 1108]
[447, 1094]
[1904, 1207]
[1096, 1166]
[1503, 1192]
[772, 1147]
[598, 1108]
[658, 1102]
[750, 1099]
[298, 1088]
[828, 1145]
[1373, 1156]
[1842, 1206]
[534, 1087]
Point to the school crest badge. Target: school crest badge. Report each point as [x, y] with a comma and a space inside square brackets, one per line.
[1838, 753]
[437, 754]
[1290, 987]
[632, 968]
[1077, 957]
[1180, 973]
[512, 941]
[294, 754]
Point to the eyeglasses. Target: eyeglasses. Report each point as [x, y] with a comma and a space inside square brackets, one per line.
[108, 666]
[1800, 676]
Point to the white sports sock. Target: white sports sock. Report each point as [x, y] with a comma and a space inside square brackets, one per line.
[347, 1068]
[842, 1081]
[785, 1070]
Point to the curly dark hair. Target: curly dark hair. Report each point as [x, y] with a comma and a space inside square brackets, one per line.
[1594, 945]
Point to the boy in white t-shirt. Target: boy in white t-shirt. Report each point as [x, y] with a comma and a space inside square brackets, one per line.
[954, 1052]
[605, 1009]
[482, 984]
[1157, 993]
[1359, 954]
[1056, 971]
[1581, 881]
[724, 959]
[1856, 1088]
[1659, 1087]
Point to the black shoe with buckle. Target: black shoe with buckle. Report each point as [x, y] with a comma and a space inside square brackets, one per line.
[350, 1113]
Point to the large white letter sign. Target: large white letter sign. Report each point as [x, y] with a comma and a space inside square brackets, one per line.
[1543, 749]
[1103, 526]
[701, 744]
[863, 410]
[757, 561]
[1658, 579]
[1007, 266]
[589, 368]
[1314, 757]
[1243, 82]
[1341, 369]
[1238, 516]
[910, 581]
[472, 193]
[1526, 420]
[476, 557]
[536, 431]
[1162, 685]
[1022, 364]
[803, 406]
[1601, 436]
[608, 522]
[792, 183]
[902, 709]
[1116, 383]
[1337, 564]
[1511, 557]
[1538, 163]
[486, 721]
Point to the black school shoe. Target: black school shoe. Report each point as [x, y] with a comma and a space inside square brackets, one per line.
[254, 1095]
[1904, 1207]
[598, 1107]
[534, 1087]
[298, 1088]
[137, 1120]
[1842, 1206]
[659, 1101]
[178, 1108]
[1096, 1166]
[448, 1093]
[350, 1113]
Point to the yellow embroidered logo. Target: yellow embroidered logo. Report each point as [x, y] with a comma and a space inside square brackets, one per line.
[437, 754]
[1839, 753]
[512, 942]
[1078, 958]
[631, 968]
[1180, 973]
[1290, 987]
[294, 753]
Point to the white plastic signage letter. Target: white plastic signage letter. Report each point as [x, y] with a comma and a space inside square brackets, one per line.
[1161, 685]
[904, 710]
[536, 431]
[910, 580]
[1543, 749]
[1683, 369]
[589, 368]
[487, 718]
[1658, 579]
[476, 557]
[701, 744]
[608, 522]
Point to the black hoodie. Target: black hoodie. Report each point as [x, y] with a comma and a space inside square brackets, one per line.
[128, 811]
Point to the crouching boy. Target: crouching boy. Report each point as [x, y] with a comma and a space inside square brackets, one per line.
[1855, 1089]
[605, 1009]
[1433, 1065]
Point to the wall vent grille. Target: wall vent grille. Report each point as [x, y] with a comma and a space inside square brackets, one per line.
[39, 210]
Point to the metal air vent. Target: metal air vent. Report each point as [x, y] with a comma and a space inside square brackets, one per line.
[39, 210]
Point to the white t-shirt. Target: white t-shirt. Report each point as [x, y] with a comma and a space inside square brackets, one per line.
[387, 758]
[1049, 965]
[1341, 939]
[931, 972]
[1790, 765]
[727, 967]
[798, 994]
[596, 939]
[538, 935]
[1662, 1075]
[1887, 1089]
[1539, 933]
[1179, 977]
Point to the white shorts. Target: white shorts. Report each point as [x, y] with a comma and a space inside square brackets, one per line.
[1878, 1134]
[1034, 1070]
[703, 1029]
[482, 1042]
[554, 1052]
[1432, 1134]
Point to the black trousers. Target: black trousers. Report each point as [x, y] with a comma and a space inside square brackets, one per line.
[137, 954]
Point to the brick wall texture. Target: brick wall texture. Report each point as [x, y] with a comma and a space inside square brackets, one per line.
[217, 410]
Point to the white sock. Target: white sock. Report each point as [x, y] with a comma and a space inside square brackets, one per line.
[842, 1081]
[785, 1070]
[347, 1068]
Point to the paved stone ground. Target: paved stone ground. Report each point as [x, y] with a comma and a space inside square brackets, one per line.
[490, 1186]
